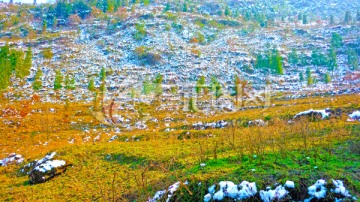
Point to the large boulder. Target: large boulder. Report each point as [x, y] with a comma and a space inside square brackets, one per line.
[315, 114]
[40, 171]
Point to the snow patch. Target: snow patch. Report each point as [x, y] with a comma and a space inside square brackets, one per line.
[318, 190]
[242, 191]
[355, 115]
[289, 184]
[324, 113]
[279, 193]
[170, 191]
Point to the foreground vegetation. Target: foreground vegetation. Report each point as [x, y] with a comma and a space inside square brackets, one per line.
[138, 163]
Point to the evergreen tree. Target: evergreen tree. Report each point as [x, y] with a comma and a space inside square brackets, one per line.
[237, 89]
[293, 57]
[147, 87]
[310, 79]
[102, 74]
[103, 5]
[353, 59]
[331, 19]
[327, 78]
[200, 85]
[47, 53]
[185, 7]
[102, 77]
[44, 27]
[318, 58]
[336, 40]
[146, 2]
[332, 63]
[278, 64]
[192, 107]
[69, 83]
[167, 7]
[347, 18]
[227, 11]
[5, 65]
[25, 67]
[58, 80]
[216, 88]
[301, 77]
[304, 20]
[17, 64]
[91, 85]
[158, 84]
[37, 83]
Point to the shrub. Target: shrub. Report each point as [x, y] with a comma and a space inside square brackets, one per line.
[146, 56]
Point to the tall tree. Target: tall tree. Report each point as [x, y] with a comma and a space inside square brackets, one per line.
[278, 63]
[167, 7]
[293, 57]
[353, 59]
[216, 88]
[310, 79]
[158, 84]
[25, 67]
[69, 83]
[301, 77]
[147, 87]
[304, 20]
[200, 85]
[227, 11]
[192, 105]
[58, 80]
[102, 77]
[237, 89]
[5, 65]
[327, 78]
[332, 62]
[91, 85]
[347, 18]
[37, 83]
[44, 27]
[331, 19]
[185, 7]
[336, 40]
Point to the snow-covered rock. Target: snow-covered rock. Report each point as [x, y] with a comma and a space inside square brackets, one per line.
[113, 138]
[323, 113]
[13, 158]
[355, 115]
[44, 169]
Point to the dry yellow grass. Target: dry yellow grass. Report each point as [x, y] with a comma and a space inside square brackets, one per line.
[136, 169]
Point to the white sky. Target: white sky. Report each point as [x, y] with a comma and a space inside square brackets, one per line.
[29, 1]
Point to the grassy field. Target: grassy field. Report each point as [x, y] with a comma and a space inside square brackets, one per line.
[141, 162]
